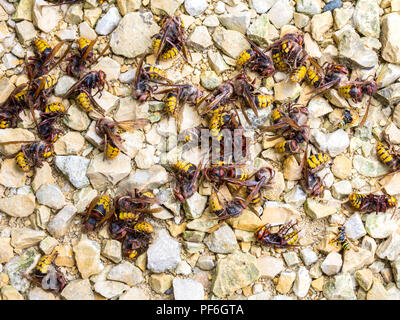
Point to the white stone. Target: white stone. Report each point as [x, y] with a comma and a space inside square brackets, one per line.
[332, 264]
[164, 253]
[355, 227]
[59, 225]
[50, 195]
[341, 189]
[302, 282]
[262, 6]
[45, 17]
[195, 7]
[108, 22]
[75, 168]
[281, 13]
[308, 256]
[187, 289]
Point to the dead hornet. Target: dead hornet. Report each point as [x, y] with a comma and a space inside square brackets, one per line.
[341, 239]
[80, 61]
[91, 80]
[178, 95]
[135, 243]
[141, 88]
[348, 119]
[170, 41]
[45, 275]
[295, 111]
[130, 211]
[288, 52]
[287, 128]
[32, 154]
[230, 209]
[356, 90]
[46, 129]
[85, 101]
[317, 161]
[38, 91]
[99, 211]
[263, 177]
[10, 109]
[240, 87]
[218, 98]
[281, 239]
[44, 62]
[139, 202]
[226, 132]
[226, 173]
[35, 96]
[245, 90]
[112, 141]
[256, 60]
[121, 229]
[186, 175]
[388, 156]
[312, 184]
[372, 202]
[323, 78]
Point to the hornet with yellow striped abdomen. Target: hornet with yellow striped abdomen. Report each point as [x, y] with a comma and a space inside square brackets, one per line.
[79, 62]
[312, 184]
[99, 211]
[86, 102]
[317, 161]
[170, 41]
[186, 175]
[178, 95]
[142, 90]
[124, 223]
[298, 73]
[32, 154]
[355, 90]
[288, 52]
[46, 129]
[289, 129]
[388, 156]
[323, 78]
[341, 239]
[233, 208]
[91, 80]
[39, 89]
[107, 129]
[256, 60]
[130, 209]
[45, 275]
[283, 238]
[372, 202]
[224, 173]
[10, 109]
[263, 178]
[44, 62]
[277, 58]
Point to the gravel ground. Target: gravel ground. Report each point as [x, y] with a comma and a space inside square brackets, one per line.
[43, 209]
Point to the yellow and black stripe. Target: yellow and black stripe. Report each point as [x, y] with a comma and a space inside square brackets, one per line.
[317, 160]
[392, 161]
